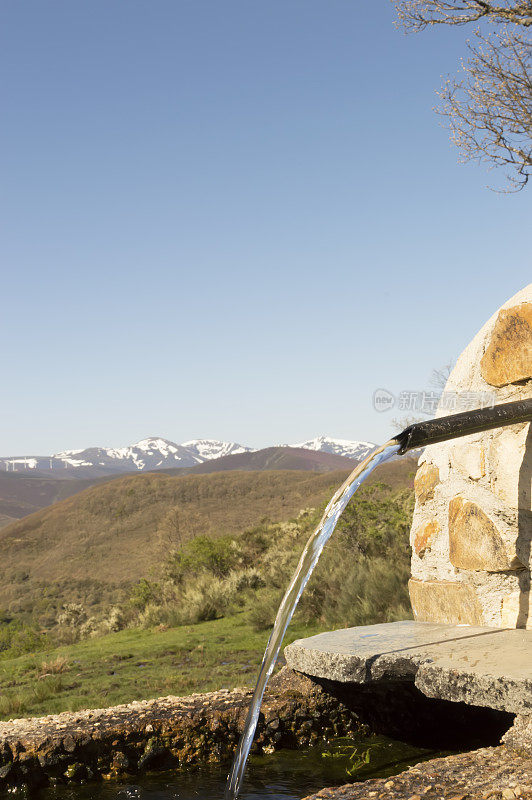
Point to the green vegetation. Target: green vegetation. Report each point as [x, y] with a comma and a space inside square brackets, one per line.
[199, 617]
[360, 579]
[91, 547]
[17, 637]
[134, 665]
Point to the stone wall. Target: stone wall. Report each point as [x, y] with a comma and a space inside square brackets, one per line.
[472, 526]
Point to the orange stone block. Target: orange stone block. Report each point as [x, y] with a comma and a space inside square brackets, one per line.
[474, 541]
[424, 537]
[427, 478]
[508, 356]
[448, 602]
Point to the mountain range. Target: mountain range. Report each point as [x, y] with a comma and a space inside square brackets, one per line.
[156, 453]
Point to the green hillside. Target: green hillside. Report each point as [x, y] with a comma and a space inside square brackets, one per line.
[200, 617]
[90, 547]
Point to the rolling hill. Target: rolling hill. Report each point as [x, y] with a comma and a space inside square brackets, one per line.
[22, 493]
[94, 543]
[281, 457]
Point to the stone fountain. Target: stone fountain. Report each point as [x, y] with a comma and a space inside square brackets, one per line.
[471, 637]
[472, 526]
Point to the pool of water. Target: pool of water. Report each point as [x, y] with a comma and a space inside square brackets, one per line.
[286, 774]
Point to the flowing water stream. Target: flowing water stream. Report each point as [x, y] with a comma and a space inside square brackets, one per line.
[305, 567]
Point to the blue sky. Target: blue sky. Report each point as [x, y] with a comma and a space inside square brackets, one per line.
[233, 220]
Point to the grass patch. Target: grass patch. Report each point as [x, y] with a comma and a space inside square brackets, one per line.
[136, 665]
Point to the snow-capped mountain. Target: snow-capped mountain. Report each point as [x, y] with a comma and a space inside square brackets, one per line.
[156, 453]
[339, 447]
[148, 454]
[207, 449]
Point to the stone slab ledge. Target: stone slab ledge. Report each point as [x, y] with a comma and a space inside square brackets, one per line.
[480, 666]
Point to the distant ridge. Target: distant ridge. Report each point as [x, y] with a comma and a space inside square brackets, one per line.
[22, 493]
[154, 453]
[281, 457]
[338, 447]
[148, 454]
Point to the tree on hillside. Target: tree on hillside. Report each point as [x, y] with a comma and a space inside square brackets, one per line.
[176, 527]
[489, 104]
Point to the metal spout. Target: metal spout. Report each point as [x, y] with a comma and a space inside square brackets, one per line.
[441, 429]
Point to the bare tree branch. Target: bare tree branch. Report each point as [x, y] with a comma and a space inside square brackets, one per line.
[489, 109]
[489, 105]
[418, 14]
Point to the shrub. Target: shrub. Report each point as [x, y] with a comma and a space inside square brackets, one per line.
[142, 593]
[115, 621]
[263, 611]
[72, 615]
[48, 687]
[17, 638]
[363, 573]
[55, 667]
[203, 554]
[198, 599]
[360, 579]
[12, 705]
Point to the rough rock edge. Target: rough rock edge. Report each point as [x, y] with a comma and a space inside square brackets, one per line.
[519, 737]
[491, 772]
[168, 732]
